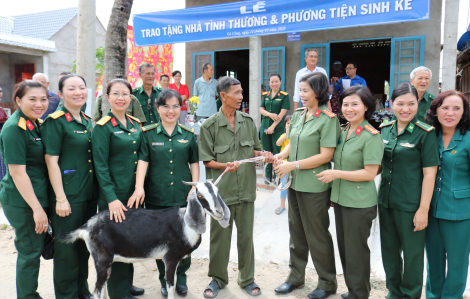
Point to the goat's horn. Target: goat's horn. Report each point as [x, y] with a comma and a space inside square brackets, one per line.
[190, 183]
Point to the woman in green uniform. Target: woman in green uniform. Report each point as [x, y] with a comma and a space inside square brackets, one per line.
[66, 134]
[24, 187]
[115, 142]
[274, 106]
[357, 159]
[166, 150]
[410, 163]
[448, 233]
[314, 132]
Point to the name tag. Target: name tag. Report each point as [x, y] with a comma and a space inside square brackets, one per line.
[158, 143]
[182, 141]
[278, 100]
[133, 130]
[407, 144]
[79, 132]
[37, 139]
[118, 132]
[386, 141]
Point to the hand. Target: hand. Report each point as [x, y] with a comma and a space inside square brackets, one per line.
[268, 157]
[137, 198]
[233, 166]
[327, 176]
[192, 189]
[273, 116]
[334, 79]
[40, 219]
[421, 219]
[116, 209]
[284, 168]
[63, 208]
[278, 159]
[269, 130]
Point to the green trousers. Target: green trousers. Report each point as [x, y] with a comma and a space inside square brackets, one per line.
[447, 240]
[183, 266]
[308, 228]
[243, 215]
[29, 246]
[269, 144]
[352, 231]
[71, 260]
[404, 279]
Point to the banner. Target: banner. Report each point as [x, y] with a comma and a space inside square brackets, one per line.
[252, 18]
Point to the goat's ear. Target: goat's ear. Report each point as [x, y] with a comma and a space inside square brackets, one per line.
[190, 183]
[225, 221]
[195, 217]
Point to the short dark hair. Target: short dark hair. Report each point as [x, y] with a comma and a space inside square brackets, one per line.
[287, 118]
[64, 73]
[205, 67]
[320, 86]
[263, 87]
[275, 75]
[353, 63]
[164, 75]
[116, 81]
[225, 83]
[168, 94]
[22, 87]
[175, 73]
[431, 114]
[402, 89]
[144, 65]
[62, 80]
[364, 94]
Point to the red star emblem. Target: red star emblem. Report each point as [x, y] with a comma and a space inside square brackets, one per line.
[30, 125]
[68, 117]
[114, 122]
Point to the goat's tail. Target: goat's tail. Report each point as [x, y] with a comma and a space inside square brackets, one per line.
[71, 236]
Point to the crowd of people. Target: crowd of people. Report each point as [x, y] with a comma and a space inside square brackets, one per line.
[61, 169]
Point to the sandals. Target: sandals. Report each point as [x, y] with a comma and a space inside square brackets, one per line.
[279, 211]
[214, 287]
[249, 289]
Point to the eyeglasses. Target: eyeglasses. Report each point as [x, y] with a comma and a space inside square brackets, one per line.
[117, 94]
[167, 107]
[349, 68]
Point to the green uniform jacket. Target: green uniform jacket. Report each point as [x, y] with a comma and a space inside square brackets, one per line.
[220, 143]
[168, 156]
[423, 106]
[21, 144]
[134, 109]
[148, 104]
[279, 101]
[405, 156]
[363, 147]
[115, 148]
[322, 129]
[69, 139]
[451, 198]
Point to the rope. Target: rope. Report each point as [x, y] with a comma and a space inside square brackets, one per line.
[277, 182]
[259, 158]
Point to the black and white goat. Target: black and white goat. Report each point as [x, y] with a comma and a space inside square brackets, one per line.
[170, 235]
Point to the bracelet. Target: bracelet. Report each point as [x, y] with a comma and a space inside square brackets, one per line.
[62, 200]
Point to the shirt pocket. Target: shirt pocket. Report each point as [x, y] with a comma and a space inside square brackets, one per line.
[411, 190]
[462, 194]
[222, 154]
[71, 183]
[247, 148]
[358, 192]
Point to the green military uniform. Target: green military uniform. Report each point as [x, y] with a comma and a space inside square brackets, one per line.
[148, 103]
[70, 139]
[309, 198]
[405, 156]
[423, 106]
[273, 104]
[134, 109]
[115, 149]
[356, 205]
[219, 142]
[448, 232]
[168, 155]
[21, 144]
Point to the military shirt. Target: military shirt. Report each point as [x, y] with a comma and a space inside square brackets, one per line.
[148, 104]
[115, 149]
[451, 197]
[220, 143]
[134, 109]
[279, 101]
[70, 139]
[322, 129]
[405, 156]
[363, 147]
[21, 144]
[423, 106]
[168, 155]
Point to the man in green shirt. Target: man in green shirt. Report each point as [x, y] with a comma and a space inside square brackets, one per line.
[225, 138]
[420, 78]
[147, 93]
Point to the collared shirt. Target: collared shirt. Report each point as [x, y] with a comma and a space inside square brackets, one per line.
[148, 103]
[219, 142]
[134, 109]
[274, 105]
[70, 139]
[306, 138]
[405, 156]
[356, 81]
[424, 104]
[168, 155]
[21, 144]
[299, 75]
[451, 197]
[363, 147]
[183, 91]
[115, 149]
[206, 93]
[54, 101]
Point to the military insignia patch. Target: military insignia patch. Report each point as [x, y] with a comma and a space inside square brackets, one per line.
[158, 143]
[329, 113]
[22, 123]
[30, 125]
[114, 122]
[424, 126]
[182, 141]
[371, 129]
[283, 92]
[104, 120]
[68, 117]
[387, 124]
[56, 114]
[407, 144]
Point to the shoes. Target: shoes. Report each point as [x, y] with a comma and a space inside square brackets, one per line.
[285, 288]
[164, 292]
[279, 211]
[182, 290]
[345, 295]
[320, 294]
[135, 291]
[87, 296]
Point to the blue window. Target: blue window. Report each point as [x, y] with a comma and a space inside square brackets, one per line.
[273, 62]
[407, 53]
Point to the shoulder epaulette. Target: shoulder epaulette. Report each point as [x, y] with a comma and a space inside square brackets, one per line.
[40, 121]
[134, 118]
[371, 129]
[57, 114]
[22, 123]
[424, 126]
[300, 109]
[284, 93]
[87, 115]
[149, 127]
[346, 126]
[265, 93]
[104, 120]
[186, 128]
[387, 124]
[329, 113]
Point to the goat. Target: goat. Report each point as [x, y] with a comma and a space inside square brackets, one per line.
[170, 235]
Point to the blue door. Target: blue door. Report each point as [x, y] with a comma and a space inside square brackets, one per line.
[407, 53]
[273, 62]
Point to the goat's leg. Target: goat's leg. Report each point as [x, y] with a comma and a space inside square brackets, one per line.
[103, 268]
[170, 275]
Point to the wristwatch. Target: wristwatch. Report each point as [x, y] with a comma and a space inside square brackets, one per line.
[297, 165]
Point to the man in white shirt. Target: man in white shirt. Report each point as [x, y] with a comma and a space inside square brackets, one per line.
[311, 59]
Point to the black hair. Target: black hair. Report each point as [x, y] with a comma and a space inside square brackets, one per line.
[168, 94]
[205, 67]
[225, 83]
[62, 80]
[263, 87]
[431, 114]
[320, 86]
[275, 75]
[402, 89]
[353, 63]
[144, 65]
[364, 94]
[116, 81]
[287, 118]
[22, 87]
[164, 75]
[175, 73]
[64, 73]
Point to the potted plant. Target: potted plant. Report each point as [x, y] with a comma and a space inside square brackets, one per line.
[192, 106]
